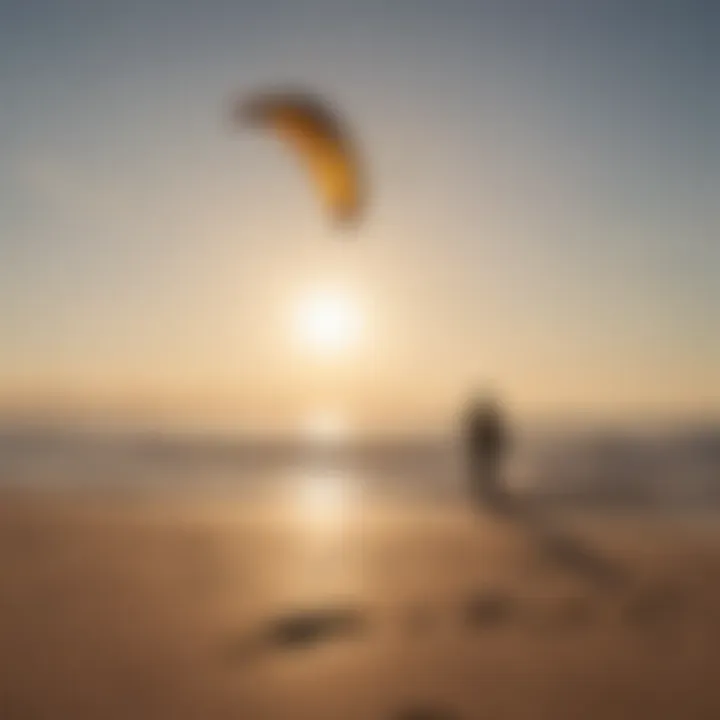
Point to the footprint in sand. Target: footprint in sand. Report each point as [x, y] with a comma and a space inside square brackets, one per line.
[300, 630]
[491, 608]
[568, 613]
[653, 606]
[424, 714]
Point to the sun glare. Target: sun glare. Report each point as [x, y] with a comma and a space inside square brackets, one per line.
[327, 323]
[325, 426]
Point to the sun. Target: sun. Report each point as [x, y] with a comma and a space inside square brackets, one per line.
[327, 322]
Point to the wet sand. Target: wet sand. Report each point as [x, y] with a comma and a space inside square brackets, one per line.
[211, 610]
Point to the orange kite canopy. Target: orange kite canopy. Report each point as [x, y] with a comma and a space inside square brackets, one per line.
[312, 130]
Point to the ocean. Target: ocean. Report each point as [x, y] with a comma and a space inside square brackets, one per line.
[670, 468]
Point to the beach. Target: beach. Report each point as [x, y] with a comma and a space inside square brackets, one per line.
[148, 608]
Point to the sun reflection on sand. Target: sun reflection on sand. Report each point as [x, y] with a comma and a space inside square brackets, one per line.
[323, 498]
[322, 505]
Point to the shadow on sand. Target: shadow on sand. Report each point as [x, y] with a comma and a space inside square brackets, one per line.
[560, 548]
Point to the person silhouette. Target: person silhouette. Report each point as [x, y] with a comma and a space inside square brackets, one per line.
[485, 441]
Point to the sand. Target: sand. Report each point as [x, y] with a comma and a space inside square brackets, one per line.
[213, 610]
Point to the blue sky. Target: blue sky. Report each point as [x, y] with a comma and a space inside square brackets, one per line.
[544, 214]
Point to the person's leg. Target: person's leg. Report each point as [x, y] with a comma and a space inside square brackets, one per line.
[495, 494]
[475, 477]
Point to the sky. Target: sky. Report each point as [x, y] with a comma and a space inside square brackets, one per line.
[543, 217]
